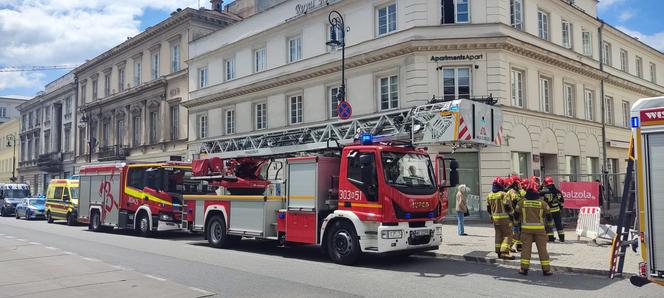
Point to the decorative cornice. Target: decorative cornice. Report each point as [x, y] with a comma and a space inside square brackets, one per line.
[420, 46]
[137, 93]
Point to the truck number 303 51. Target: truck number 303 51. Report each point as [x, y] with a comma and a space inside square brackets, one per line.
[345, 194]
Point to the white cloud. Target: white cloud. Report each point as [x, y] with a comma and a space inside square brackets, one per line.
[655, 40]
[626, 15]
[54, 32]
[605, 4]
[20, 79]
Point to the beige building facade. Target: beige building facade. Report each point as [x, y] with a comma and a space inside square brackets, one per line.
[130, 97]
[9, 150]
[539, 59]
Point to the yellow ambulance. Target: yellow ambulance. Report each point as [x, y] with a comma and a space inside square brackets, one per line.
[62, 201]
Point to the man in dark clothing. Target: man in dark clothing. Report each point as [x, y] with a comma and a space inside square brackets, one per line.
[554, 198]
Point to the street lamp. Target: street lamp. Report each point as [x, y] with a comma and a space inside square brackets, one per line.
[11, 142]
[338, 39]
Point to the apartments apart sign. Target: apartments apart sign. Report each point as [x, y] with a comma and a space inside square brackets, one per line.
[310, 6]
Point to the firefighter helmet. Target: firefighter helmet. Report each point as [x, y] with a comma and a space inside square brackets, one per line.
[499, 181]
[548, 181]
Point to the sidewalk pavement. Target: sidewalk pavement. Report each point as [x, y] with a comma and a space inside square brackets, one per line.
[34, 270]
[578, 256]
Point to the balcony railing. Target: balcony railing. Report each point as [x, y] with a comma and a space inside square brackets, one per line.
[50, 162]
[114, 152]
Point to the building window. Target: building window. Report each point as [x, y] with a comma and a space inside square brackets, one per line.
[154, 68]
[174, 112]
[517, 88]
[589, 105]
[456, 83]
[136, 126]
[545, 94]
[294, 49]
[137, 72]
[572, 163]
[260, 60]
[455, 11]
[389, 92]
[626, 113]
[653, 73]
[606, 53]
[229, 68]
[121, 79]
[3, 112]
[587, 39]
[47, 142]
[81, 140]
[107, 84]
[516, 14]
[83, 93]
[105, 133]
[639, 67]
[624, 66]
[334, 101]
[67, 139]
[520, 163]
[23, 151]
[37, 148]
[567, 34]
[260, 115]
[608, 110]
[295, 107]
[154, 126]
[230, 121]
[95, 85]
[119, 132]
[175, 57]
[202, 77]
[569, 100]
[543, 24]
[202, 126]
[387, 18]
[592, 167]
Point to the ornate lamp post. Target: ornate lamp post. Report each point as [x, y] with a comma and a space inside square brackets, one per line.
[338, 39]
[11, 142]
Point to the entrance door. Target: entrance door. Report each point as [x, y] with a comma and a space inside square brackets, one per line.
[549, 164]
[469, 174]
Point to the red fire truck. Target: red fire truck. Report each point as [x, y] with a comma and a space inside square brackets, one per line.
[145, 197]
[371, 191]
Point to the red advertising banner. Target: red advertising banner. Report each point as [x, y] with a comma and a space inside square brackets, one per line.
[580, 194]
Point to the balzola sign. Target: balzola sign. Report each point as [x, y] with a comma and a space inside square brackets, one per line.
[309, 6]
[652, 116]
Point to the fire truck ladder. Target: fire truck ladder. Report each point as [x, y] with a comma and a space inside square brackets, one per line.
[402, 125]
[627, 215]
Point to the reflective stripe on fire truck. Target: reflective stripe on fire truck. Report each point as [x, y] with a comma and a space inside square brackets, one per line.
[231, 197]
[141, 195]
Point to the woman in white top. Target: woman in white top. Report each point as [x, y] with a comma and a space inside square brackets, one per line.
[461, 207]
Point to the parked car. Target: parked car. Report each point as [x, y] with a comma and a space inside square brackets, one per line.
[10, 195]
[31, 208]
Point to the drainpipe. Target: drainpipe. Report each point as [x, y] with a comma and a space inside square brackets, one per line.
[605, 171]
[74, 124]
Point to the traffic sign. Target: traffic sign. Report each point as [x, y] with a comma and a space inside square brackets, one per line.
[344, 110]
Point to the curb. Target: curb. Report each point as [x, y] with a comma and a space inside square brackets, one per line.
[516, 264]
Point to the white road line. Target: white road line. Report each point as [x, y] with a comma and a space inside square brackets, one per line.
[121, 268]
[10, 237]
[51, 247]
[35, 243]
[22, 240]
[90, 259]
[2, 234]
[68, 252]
[201, 291]
[154, 277]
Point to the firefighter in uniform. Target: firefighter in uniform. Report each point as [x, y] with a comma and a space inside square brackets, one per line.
[500, 208]
[554, 198]
[532, 211]
[515, 194]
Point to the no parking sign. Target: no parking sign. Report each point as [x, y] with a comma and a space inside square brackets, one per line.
[344, 110]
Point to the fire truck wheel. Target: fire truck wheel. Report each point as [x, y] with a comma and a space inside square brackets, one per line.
[143, 227]
[342, 243]
[95, 222]
[216, 233]
[49, 218]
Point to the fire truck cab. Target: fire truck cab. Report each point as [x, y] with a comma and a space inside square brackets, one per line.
[648, 141]
[146, 197]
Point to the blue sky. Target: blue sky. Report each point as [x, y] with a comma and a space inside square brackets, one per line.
[80, 23]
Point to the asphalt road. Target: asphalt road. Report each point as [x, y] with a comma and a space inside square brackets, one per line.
[256, 268]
